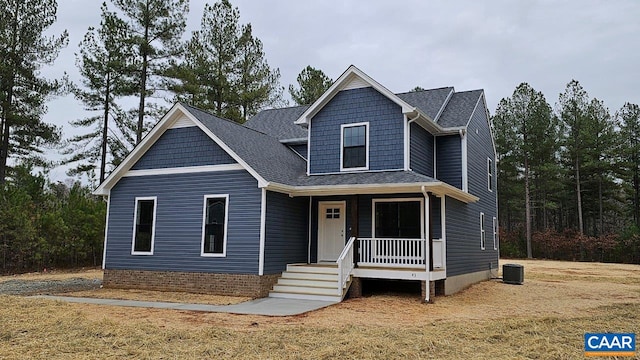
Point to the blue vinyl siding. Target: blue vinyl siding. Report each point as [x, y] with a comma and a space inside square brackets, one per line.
[386, 130]
[435, 217]
[178, 232]
[301, 149]
[180, 147]
[286, 238]
[421, 150]
[449, 160]
[463, 220]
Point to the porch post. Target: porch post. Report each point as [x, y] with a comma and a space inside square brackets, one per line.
[427, 234]
[430, 235]
[354, 230]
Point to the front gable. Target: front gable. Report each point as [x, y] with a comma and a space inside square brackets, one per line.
[383, 119]
[181, 147]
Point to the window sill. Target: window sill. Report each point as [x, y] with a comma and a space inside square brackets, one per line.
[141, 253]
[213, 255]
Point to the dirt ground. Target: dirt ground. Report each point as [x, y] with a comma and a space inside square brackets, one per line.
[546, 318]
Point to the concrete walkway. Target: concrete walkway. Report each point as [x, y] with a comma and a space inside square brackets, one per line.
[264, 306]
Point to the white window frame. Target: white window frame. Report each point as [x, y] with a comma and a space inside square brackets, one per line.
[495, 233]
[373, 213]
[226, 223]
[490, 174]
[483, 234]
[135, 224]
[366, 127]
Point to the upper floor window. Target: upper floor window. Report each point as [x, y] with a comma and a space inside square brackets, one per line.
[495, 234]
[144, 224]
[490, 174]
[214, 226]
[354, 147]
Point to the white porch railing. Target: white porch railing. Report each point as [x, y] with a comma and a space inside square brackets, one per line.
[396, 253]
[438, 254]
[345, 264]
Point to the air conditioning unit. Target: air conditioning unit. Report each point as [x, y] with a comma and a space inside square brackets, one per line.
[513, 274]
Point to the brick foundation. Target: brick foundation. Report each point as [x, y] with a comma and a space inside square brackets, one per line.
[254, 286]
[355, 290]
[432, 290]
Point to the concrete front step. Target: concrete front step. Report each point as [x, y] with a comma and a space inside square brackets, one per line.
[313, 290]
[316, 269]
[302, 296]
[309, 283]
[309, 276]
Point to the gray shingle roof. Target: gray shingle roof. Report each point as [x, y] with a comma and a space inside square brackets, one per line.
[279, 123]
[386, 177]
[263, 153]
[277, 163]
[459, 109]
[429, 101]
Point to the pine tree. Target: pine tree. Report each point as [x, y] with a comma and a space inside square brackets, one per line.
[523, 123]
[312, 83]
[629, 118]
[573, 103]
[156, 28]
[104, 64]
[24, 48]
[225, 70]
[257, 85]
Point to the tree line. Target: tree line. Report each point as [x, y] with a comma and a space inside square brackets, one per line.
[568, 176]
[131, 65]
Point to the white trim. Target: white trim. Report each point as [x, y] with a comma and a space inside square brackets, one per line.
[321, 216]
[263, 230]
[407, 142]
[355, 83]
[226, 222]
[490, 174]
[351, 73]
[465, 171]
[309, 230]
[309, 149]
[184, 170]
[106, 232]
[135, 223]
[443, 231]
[366, 145]
[495, 233]
[435, 187]
[177, 111]
[483, 236]
[377, 200]
[427, 214]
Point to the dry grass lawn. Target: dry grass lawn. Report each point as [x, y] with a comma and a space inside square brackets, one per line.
[90, 273]
[545, 318]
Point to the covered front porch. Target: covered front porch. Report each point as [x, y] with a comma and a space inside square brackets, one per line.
[377, 236]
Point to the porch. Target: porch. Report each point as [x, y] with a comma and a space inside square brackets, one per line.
[387, 258]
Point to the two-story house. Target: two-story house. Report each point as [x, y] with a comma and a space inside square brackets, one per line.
[306, 201]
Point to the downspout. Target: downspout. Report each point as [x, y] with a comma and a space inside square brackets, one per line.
[407, 151]
[427, 206]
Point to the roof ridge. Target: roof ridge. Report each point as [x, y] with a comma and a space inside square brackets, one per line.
[467, 91]
[424, 90]
[285, 108]
[224, 119]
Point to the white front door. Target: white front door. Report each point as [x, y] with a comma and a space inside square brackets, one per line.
[331, 229]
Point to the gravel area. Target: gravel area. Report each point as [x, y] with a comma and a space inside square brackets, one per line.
[33, 287]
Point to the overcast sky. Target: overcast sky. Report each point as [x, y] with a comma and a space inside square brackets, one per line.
[490, 45]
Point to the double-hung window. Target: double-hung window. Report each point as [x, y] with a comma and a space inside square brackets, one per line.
[144, 225]
[354, 147]
[214, 225]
